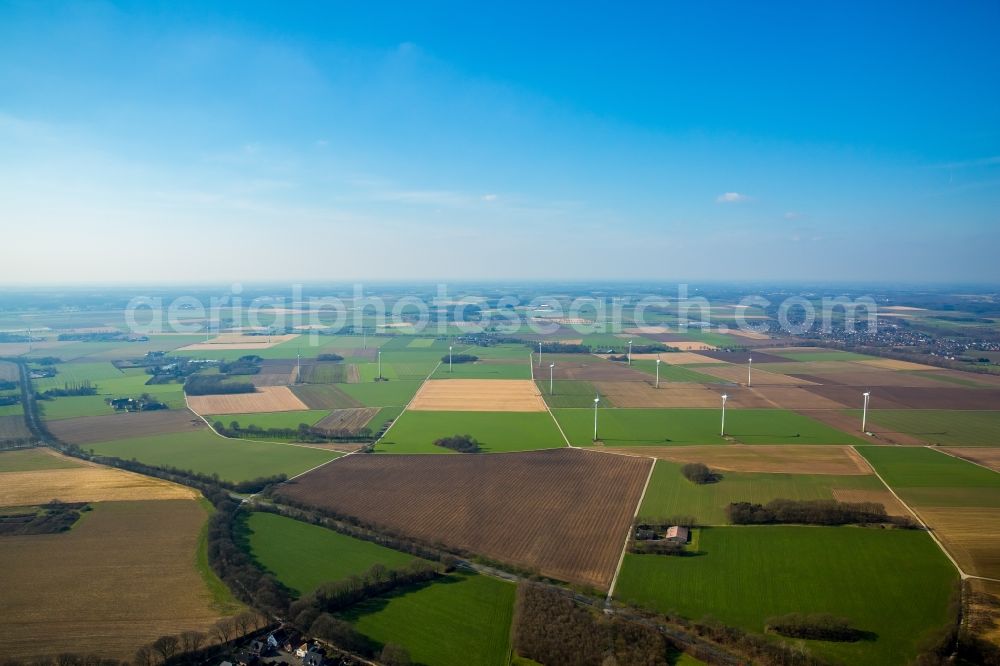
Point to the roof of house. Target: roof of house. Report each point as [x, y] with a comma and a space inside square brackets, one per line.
[677, 532]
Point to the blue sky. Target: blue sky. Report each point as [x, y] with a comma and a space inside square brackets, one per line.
[732, 141]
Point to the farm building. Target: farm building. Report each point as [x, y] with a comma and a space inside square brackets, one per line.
[677, 534]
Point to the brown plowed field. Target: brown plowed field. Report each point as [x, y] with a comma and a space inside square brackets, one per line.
[478, 395]
[14, 427]
[795, 397]
[9, 372]
[91, 429]
[984, 455]
[592, 368]
[741, 357]
[275, 372]
[868, 377]
[972, 536]
[643, 394]
[324, 396]
[738, 374]
[265, 399]
[903, 397]
[351, 420]
[851, 424]
[777, 459]
[564, 512]
[123, 576]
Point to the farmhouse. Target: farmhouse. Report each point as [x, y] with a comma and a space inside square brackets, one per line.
[677, 534]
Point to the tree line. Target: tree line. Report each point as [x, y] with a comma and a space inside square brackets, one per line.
[814, 512]
[304, 433]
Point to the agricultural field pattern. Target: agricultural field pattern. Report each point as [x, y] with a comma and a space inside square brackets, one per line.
[455, 477]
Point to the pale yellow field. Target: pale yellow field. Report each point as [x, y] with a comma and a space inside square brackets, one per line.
[971, 535]
[648, 330]
[239, 341]
[87, 483]
[752, 335]
[794, 397]
[775, 459]
[265, 399]
[686, 358]
[893, 364]
[987, 456]
[892, 505]
[478, 395]
[123, 576]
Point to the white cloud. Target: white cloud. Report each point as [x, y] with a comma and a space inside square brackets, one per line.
[793, 215]
[489, 197]
[731, 197]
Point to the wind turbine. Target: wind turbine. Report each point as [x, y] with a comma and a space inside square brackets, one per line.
[724, 396]
[380, 364]
[596, 400]
[630, 352]
[539, 353]
[749, 368]
[657, 373]
[552, 367]
[449, 359]
[864, 411]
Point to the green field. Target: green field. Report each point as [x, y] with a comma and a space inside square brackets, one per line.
[484, 370]
[382, 394]
[463, 619]
[205, 452]
[304, 556]
[27, 460]
[109, 382]
[893, 583]
[670, 494]
[925, 477]
[660, 427]
[674, 373]
[415, 431]
[272, 419]
[943, 427]
[16, 409]
[567, 393]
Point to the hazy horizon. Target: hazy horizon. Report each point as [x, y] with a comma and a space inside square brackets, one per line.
[178, 143]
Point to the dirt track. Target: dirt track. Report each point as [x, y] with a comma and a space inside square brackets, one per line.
[562, 512]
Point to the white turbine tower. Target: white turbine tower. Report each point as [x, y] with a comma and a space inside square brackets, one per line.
[723, 432]
[864, 411]
[596, 400]
[380, 364]
[449, 359]
[539, 353]
[657, 373]
[630, 352]
[749, 368]
[552, 367]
